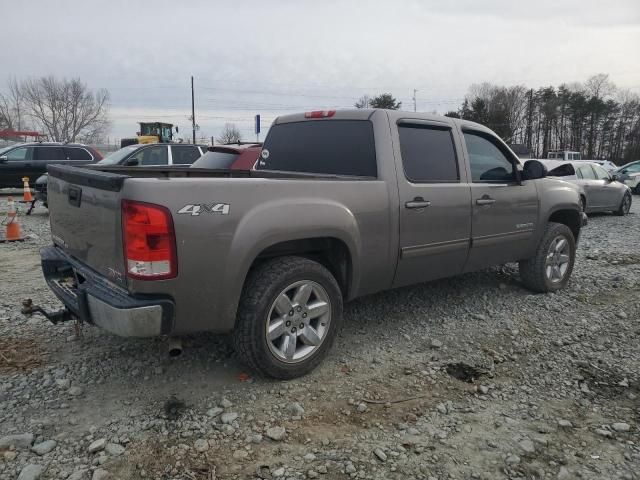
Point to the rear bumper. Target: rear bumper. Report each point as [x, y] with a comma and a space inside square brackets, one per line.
[94, 299]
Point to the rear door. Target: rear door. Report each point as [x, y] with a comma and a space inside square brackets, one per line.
[19, 162]
[504, 210]
[435, 201]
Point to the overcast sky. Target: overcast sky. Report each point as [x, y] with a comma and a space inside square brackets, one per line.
[275, 56]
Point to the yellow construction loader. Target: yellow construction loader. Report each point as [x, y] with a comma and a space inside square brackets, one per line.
[151, 132]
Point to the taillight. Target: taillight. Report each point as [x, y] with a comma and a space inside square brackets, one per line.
[149, 241]
[320, 114]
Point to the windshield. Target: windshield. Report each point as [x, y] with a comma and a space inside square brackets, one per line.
[6, 149]
[114, 158]
[215, 160]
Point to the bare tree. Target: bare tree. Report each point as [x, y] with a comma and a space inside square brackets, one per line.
[363, 102]
[12, 108]
[230, 134]
[66, 109]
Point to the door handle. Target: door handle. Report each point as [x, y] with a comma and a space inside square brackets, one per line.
[486, 200]
[417, 202]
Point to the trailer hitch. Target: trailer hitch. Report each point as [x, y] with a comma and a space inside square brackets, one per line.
[58, 316]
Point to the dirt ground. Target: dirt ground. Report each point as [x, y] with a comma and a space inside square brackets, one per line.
[472, 377]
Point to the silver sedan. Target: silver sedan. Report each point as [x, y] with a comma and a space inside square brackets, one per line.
[600, 191]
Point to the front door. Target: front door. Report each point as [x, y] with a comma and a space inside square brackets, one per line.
[435, 203]
[608, 191]
[17, 165]
[504, 210]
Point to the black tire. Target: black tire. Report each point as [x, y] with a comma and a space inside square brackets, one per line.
[533, 271]
[625, 205]
[583, 203]
[263, 285]
[636, 189]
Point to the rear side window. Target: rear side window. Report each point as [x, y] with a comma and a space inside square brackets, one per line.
[334, 147]
[49, 153]
[75, 153]
[184, 155]
[217, 160]
[428, 154]
[152, 156]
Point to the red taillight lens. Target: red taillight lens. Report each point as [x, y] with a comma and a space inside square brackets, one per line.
[320, 114]
[149, 241]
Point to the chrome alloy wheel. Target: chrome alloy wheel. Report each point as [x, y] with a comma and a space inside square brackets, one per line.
[298, 321]
[558, 258]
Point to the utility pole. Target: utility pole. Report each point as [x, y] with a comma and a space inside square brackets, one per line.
[193, 112]
[414, 100]
[529, 134]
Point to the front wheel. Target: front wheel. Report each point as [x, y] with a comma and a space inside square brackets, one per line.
[289, 313]
[549, 270]
[625, 205]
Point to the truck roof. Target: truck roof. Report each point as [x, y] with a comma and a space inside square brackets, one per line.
[367, 113]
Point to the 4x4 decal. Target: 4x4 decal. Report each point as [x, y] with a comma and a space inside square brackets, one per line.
[198, 208]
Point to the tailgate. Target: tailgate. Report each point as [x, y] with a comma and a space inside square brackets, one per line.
[85, 211]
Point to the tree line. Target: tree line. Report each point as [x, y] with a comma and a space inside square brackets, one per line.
[64, 110]
[595, 117]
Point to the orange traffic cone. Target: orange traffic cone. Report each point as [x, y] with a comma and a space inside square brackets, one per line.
[27, 191]
[12, 232]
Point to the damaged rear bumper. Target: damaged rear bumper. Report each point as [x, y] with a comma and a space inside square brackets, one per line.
[92, 298]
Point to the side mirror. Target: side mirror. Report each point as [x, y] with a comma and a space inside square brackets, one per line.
[533, 169]
[132, 162]
[615, 177]
[3, 160]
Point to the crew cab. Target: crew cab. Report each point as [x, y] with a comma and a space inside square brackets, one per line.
[341, 204]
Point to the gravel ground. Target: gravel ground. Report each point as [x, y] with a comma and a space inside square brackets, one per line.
[466, 378]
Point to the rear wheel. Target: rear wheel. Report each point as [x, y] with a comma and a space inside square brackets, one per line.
[550, 269]
[625, 205]
[290, 310]
[636, 189]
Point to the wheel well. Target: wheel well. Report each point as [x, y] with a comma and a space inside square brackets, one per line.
[570, 218]
[330, 252]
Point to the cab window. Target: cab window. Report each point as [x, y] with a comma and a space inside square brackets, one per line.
[488, 163]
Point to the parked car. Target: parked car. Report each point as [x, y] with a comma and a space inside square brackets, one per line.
[155, 154]
[600, 191]
[342, 204]
[232, 157]
[31, 160]
[630, 175]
